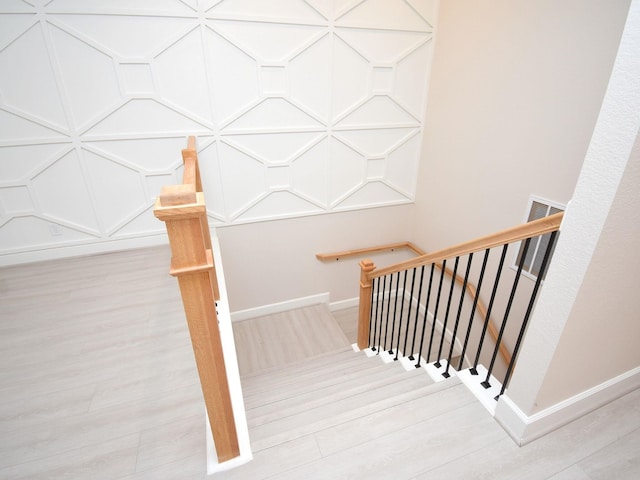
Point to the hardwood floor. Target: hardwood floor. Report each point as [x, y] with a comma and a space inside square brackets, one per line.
[98, 381]
[288, 337]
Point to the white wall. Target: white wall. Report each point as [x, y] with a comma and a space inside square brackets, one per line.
[300, 107]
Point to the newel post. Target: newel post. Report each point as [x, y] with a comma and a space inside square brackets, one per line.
[364, 309]
[184, 213]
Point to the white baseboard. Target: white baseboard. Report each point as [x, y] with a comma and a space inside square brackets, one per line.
[270, 309]
[524, 429]
[343, 304]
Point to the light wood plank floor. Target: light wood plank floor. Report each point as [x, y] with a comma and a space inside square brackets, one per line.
[288, 337]
[98, 381]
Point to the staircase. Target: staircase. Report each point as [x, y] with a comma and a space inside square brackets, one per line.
[343, 415]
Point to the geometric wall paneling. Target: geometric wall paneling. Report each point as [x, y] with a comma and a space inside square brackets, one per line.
[278, 204]
[11, 26]
[269, 42]
[212, 183]
[300, 107]
[136, 78]
[309, 173]
[142, 223]
[20, 127]
[350, 78]
[346, 170]
[91, 88]
[289, 11]
[143, 38]
[31, 86]
[149, 6]
[273, 114]
[382, 46]
[188, 90]
[144, 116]
[277, 147]
[244, 179]
[375, 142]
[117, 199]
[14, 200]
[62, 194]
[427, 9]
[234, 79]
[401, 162]
[20, 163]
[152, 155]
[308, 74]
[409, 74]
[374, 193]
[378, 111]
[384, 14]
[29, 232]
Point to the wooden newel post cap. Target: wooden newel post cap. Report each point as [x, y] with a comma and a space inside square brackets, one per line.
[367, 265]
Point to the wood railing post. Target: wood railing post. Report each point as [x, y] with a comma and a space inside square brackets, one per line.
[192, 264]
[364, 309]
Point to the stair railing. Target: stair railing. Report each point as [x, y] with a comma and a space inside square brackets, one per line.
[184, 212]
[398, 246]
[385, 291]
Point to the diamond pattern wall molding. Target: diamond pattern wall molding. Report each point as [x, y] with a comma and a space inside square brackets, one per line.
[300, 108]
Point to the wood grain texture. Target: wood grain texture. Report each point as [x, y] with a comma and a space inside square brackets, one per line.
[286, 337]
[193, 265]
[509, 235]
[98, 381]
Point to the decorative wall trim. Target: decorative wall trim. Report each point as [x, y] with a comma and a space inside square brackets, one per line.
[524, 428]
[300, 108]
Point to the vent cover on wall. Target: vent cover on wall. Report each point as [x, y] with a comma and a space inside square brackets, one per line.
[538, 208]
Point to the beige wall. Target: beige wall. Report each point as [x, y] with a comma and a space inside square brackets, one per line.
[272, 262]
[515, 92]
[584, 329]
[601, 339]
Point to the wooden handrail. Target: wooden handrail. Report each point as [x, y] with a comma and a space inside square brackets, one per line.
[513, 234]
[369, 272]
[184, 212]
[390, 247]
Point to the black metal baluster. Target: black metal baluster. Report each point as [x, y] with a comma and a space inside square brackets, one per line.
[446, 314]
[406, 336]
[395, 309]
[486, 383]
[426, 314]
[388, 302]
[374, 302]
[543, 268]
[473, 308]
[381, 313]
[415, 322]
[455, 328]
[435, 312]
[404, 287]
[474, 369]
